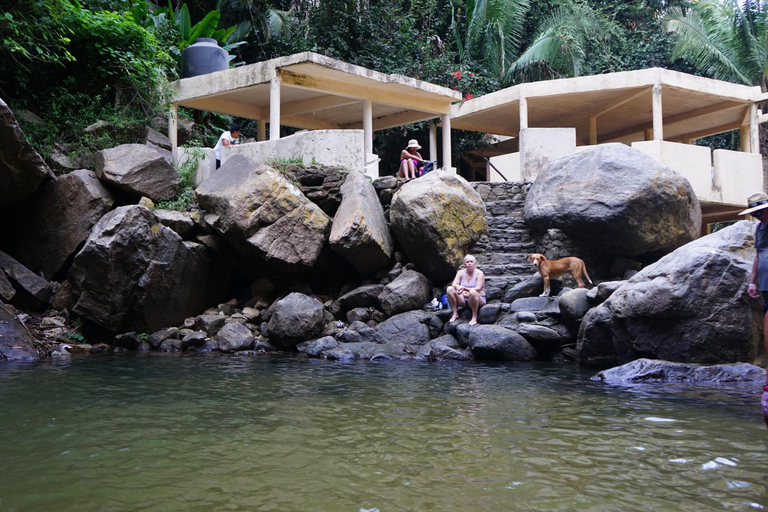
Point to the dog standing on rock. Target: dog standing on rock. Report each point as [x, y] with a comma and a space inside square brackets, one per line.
[554, 269]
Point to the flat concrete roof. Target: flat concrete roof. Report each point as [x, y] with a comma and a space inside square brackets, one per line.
[316, 92]
[692, 106]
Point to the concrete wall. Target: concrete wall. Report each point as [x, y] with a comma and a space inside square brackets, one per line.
[204, 167]
[693, 162]
[508, 164]
[733, 177]
[738, 175]
[538, 146]
[327, 147]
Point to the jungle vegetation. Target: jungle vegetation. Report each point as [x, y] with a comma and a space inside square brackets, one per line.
[76, 62]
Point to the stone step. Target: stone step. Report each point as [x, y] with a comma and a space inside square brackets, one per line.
[502, 258]
[511, 269]
[507, 222]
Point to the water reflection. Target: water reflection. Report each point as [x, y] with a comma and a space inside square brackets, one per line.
[163, 432]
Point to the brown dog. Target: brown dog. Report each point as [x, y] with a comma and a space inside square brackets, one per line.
[554, 269]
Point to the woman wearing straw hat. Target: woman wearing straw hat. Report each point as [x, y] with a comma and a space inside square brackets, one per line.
[409, 160]
[758, 204]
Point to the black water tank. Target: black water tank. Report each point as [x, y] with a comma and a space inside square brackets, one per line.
[203, 57]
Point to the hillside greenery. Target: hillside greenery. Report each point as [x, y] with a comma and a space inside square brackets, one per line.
[76, 62]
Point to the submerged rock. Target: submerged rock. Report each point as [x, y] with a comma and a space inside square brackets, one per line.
[654, 370]
[16, 342]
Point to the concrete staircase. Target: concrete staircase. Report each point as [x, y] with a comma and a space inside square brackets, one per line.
[502, 253]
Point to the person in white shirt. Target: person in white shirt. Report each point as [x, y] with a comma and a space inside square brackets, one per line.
[227, 139]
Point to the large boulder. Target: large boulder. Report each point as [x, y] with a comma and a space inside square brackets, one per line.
[410, 290]
[30, 291]
[47, 231]
[134, 274]
[617, 198]
[16, 342]
[691, 306]
[436, 219]
[138, 170]
[360, 233]
[295, 318]
[366, 296]
[409, 328]
[263, 214]
[657, 371]
[22, 170]
[497, 343]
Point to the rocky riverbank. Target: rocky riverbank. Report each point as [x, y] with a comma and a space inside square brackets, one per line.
[324, 262]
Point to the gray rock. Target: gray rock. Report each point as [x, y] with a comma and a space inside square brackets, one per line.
[349, 337]
[156, 338]
[538, 333]
[22, 170]
[210, 323]
[384, 182]
[32, 292]
[360, 233]
[156, 138]
[537, 304]
[128, 341]
[295, 318]
[138, 170]
[606, 289]
[134, 273]
[653, 370]
[263, 214]
[444, 348]
[7, 290]
[532, 286]
[488, 314]
[691, 306]
[193, 339]
[574, 304]
[616, 198]
[16, 342]
[315, 348]
[436, 219]
[411, 290]
[495, 343]
[233, 337]
[406, 328]
[358, 315]
[48, 230]
[180, 222]
[170, 345]
[366, 296]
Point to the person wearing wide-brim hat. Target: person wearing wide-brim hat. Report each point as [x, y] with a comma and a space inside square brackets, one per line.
[410, 160]
[758, 279]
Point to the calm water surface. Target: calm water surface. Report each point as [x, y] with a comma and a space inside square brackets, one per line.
[203, 433]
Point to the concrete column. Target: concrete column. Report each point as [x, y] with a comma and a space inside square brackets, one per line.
[658, 115]
[593, 130]
[173, 130]
[754, 130]
[261, 130]
[523, 112]
[274, 109]
[368, 126]
[432, 141]
[446, 120]
[744, 136]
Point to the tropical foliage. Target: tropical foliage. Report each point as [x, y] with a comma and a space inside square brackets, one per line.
[725, 39]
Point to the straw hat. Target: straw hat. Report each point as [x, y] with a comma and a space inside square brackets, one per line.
[413, 143]
[756, 202]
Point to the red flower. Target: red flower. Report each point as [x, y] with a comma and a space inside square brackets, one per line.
[471, 74]
[455, 88]
[457, 75]
[469, 96]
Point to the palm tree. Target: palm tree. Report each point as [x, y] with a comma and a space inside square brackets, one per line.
[725, 39]
[258, 17]
[558, 48]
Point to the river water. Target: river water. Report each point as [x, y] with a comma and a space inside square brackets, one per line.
[202, 433]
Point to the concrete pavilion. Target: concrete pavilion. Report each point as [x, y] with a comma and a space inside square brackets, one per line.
[340, 102]
[657, 111]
